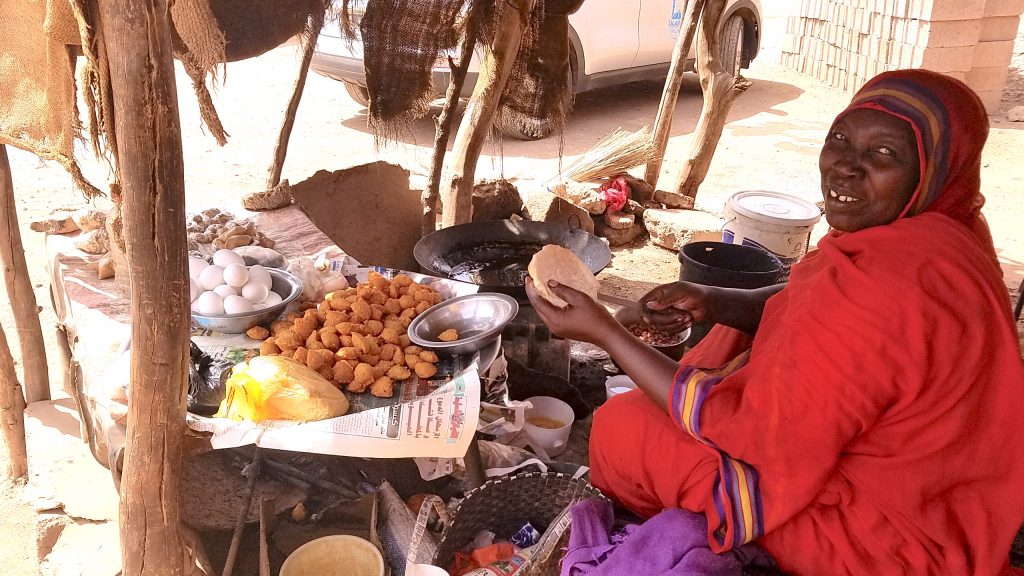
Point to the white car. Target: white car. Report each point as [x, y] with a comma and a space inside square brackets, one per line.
[611, 42]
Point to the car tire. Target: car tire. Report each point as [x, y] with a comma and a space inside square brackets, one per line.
[358, 93]
[732, 45]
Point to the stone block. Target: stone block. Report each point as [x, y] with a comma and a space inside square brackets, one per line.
[991, 99]
[673, 228]
[495, 200]
[951, 9]
[618, 237]
[546, 207]
[947, 33]
[993, 54]
[673, 199]
[986, 79]
[1003, 8]
[951, 59]
[995, 28]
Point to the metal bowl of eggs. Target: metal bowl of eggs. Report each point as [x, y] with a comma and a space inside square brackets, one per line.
[464, 324]
[230, 297]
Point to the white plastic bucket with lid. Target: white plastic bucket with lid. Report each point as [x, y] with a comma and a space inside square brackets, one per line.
[776, 222]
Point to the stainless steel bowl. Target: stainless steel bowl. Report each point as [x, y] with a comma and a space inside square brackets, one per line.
[478, 318]
[285, 284]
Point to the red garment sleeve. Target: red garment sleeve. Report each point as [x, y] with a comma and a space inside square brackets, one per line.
[778, 417]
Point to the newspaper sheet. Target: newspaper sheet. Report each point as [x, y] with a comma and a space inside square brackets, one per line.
[440, 424]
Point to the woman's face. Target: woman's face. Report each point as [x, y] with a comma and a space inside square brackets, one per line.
[869, 170]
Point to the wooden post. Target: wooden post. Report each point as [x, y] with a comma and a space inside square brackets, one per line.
[720, 88]
[457, 197]
[19, 291]
[137, 36]
[12, 413]
[443, 126]
[281, 150]
[667, 108]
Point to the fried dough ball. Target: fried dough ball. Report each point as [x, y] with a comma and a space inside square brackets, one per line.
[422, 307]
[376, 312]
[407, 302]
[257, 333]
[348, 353]
[361, 342]
[377, 280]
[363, 374]
[300, 355]
[401, 280]
[381, 368]
[343, 373]
[374, 327]
[288, 340]
[314, 360]
[346, 341]
[387, 351]
[378, 298]
[314, 337]
[425, 369]
[404, 340]
[428, 356]
[411, 360]
[383, 387]
[333, 318]
[330, 339]
[326, 372]
[399, 358]
[269, 347]
[424, 295]
[339, 304]
[449, 335]
[344, 328]
[316, 345]
[361, 308]
[389, 335]
[393, 306]
[305, 326]
[278, 326]
[399, 373]
[412, 349]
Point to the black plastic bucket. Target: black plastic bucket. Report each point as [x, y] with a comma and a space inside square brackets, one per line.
[728, 266]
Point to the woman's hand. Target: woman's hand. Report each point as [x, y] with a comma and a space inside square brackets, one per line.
[582, 319]
[676, 306]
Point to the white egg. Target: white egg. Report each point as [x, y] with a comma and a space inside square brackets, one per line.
[193, 290]
[209, 303]
[211, 277]
[237, 305]
[254, 292]
[224, 291]
[196, 267]
[223, 257]
[271, 299]
[236, 275]
[195, 302]
[257, 272]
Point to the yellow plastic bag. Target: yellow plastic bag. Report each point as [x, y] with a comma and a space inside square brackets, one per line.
[279, 388]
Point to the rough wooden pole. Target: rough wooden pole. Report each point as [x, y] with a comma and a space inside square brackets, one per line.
[19, 291]
[719, 89]
[137, 36]
[443, 127]
[12, 413]
[281, 149]
[667, 108]
[457, 196]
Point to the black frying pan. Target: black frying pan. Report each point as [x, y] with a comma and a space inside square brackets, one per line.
[495, 254]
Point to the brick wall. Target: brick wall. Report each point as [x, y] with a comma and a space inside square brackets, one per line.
[846, 42]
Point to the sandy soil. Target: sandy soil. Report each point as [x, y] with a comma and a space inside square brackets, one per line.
[770, 142]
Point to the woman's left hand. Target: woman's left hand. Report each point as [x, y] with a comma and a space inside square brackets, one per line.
[581, 319]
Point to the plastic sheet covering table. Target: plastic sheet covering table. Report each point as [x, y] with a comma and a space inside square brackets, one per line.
[94, 321]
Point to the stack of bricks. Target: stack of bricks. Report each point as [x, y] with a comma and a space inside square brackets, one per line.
[846, 42]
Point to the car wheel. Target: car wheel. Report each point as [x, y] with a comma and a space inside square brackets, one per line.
[358, 93]
[732, 45]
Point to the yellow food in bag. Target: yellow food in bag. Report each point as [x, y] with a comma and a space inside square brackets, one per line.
[279, 388]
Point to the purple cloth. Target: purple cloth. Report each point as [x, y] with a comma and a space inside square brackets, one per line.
[674, 542]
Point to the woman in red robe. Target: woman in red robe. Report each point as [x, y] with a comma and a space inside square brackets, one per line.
[867, 417]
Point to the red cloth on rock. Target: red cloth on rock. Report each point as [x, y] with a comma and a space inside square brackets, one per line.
[874, 427]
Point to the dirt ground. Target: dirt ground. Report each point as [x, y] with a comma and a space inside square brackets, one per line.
[771, 142]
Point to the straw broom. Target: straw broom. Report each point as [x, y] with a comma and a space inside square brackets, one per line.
[612, 155]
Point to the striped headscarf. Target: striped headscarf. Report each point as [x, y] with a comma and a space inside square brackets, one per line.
[951, 126]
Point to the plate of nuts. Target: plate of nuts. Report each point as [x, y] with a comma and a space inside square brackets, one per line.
[630, 318]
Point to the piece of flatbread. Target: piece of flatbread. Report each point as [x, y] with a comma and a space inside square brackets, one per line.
[559, 264]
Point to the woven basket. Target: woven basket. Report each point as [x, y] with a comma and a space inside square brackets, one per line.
[504, 504]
